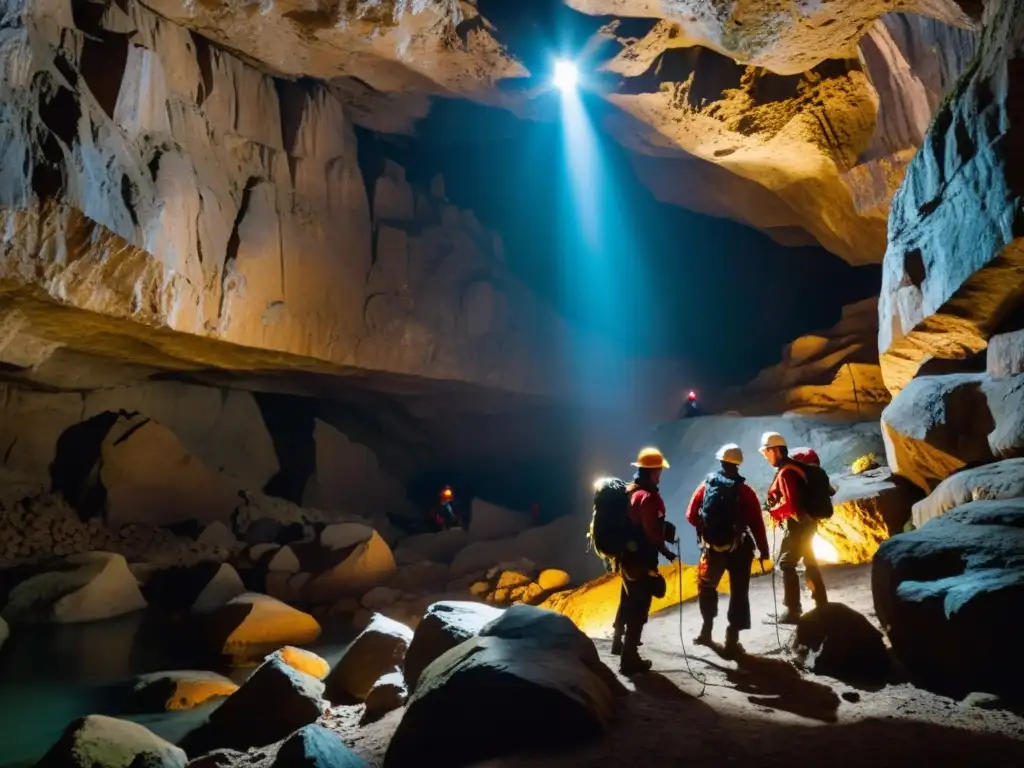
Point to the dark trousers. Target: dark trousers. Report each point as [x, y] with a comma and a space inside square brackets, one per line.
[797, 545]
[714, 565]
[634, 598]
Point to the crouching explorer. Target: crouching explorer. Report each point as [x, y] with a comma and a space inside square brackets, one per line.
[727, 515]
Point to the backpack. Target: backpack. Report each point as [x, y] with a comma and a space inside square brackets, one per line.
[719, 521]
[611, 528]
[817, 500]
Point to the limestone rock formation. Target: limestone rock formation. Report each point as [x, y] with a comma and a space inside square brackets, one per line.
[353, 569]
[86, 587]
[999, 480]
[948, 593]
[248, 719]
[868, 508]
[528, 666]
[182, 198]
[100, 740]
[444, 626]
[253, 625]
[788, 37]
[835, 640]
[953, 261]
[175, 690]
[377, 650]
[831, 371]
[313, 746]
[939, 424]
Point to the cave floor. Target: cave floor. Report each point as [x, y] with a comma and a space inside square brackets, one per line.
[762, 712]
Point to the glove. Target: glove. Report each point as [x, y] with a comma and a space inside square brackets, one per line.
[670, 556]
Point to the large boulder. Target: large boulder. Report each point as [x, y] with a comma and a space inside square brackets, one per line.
[530, 667]
[201, 588]
[868, 508]
[86, 587]
[377, 650]
[210, 423]
[835, 640]
[148, 476]
[275, 700]
[999, 480]
[175, 690]
[304, 661]
[939, 424]
[349, 562]
[952, 267]
[949, 594]
[444, 626]
[97, 740]
[252, 625]
[313, 746]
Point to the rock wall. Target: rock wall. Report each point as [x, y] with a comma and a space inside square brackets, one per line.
[953, 266]
[811, 155]
[830, 371]
[163, 184]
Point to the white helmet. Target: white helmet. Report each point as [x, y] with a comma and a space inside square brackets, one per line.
[772, 440]
[731, 453]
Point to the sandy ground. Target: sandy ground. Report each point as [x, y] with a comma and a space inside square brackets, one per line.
[761, 710]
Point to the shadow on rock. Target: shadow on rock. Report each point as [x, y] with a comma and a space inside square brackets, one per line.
[837, 641]
[778, 684]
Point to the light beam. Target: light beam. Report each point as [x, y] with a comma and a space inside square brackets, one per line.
[566, 75]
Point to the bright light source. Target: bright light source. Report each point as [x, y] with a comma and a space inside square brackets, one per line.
[566, 75]
[824, 550]
[692, 395]
[600, 482]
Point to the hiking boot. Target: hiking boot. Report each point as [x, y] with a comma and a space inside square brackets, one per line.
[732, 648]
[789, 616]
[633, 664]
[704, 637]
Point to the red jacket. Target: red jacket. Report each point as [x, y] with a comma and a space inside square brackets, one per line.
[647, 510]
[750, 513]
[784, 494]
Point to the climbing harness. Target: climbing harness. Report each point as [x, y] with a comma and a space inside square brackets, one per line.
[702, 679]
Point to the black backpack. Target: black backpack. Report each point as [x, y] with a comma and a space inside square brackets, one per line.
[611, 528]
[817, 500]
[719, 513]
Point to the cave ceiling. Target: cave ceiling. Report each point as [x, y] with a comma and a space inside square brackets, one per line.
[796, 118]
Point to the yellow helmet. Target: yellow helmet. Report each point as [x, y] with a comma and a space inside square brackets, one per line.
[650, 458]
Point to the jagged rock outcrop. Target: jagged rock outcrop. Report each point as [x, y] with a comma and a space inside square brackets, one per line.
[831, 371]
[788, 37]
[953, 263]
[165, 185]
[999, 480]
[100, 740]
[940, 424]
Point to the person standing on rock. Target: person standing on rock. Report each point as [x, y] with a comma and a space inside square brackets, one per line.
[727, 515]
[786, 505]
[638, 563]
